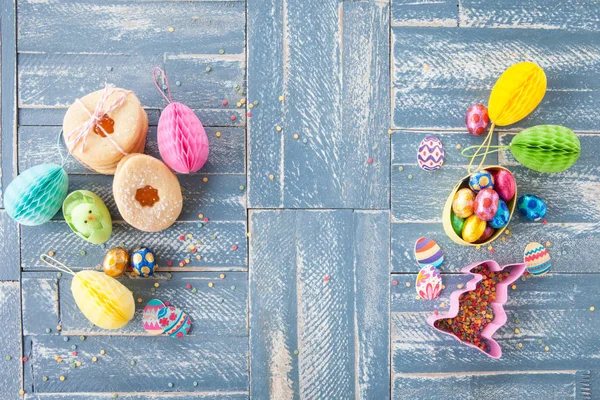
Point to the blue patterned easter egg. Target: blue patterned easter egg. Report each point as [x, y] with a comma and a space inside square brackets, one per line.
[430, 154]
[174, 322]
[531, 207]
[143, 262]
[502, 216]
[481, 180]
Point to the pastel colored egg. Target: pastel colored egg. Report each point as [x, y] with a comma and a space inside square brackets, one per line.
[429, 283]
[502, 216]
[481, 180]
[473, 229]
[462, 205]
[143, 262]
[537, 259]
[531, 207]
[457, 223]
[504, 184]
[427, 252]
[430, 154]
[487, 233]
[486, 204]
[477, 119]
[174, 322]
[115, 262]
[150, 317]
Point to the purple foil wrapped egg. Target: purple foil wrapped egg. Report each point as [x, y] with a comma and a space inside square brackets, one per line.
[504, 184]
[486, 204]
[477, 119]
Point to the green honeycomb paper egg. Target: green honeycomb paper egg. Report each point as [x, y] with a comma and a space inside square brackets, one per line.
[546, 148]
[37, 194]
[88, 216]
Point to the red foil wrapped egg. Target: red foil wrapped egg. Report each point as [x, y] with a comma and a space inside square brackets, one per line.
[477, 119]
[486, 204]
[504, 184]
[489, 231]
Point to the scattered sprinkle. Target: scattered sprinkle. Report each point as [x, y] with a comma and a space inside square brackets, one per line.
[233, 287]
[233, 118]
[102, 352]
[242, 187]
[48, 330]
[62, 377]
[221, 51]
[177, 83]
[82, 337]
[296, 352]
[139, 300]
[443, 305]
[59, 274]
[271, 176]
[8, 358]
[326, 278]
[45, 378]
[280, 98]
[390, 131]
[547, 348]
[205, 179]
[250, 105]
[234, 247]
[395, 283]
[401, 168]
[540, 341]
[517, 331]
[592, 308]
[66, 338]
[296, 136]
[407, 284]
[278, 128]
[59, 328]
[218, 134]
[82, 252]
[21, 392]
[410, 176]
[170, 384]
[208, 69]
[458, 146]
[255, 102]
[370, 160]
[460, 285]
[225, 102]
[513, 287]
[478, 247]
[210, 284]
[25, 359]
[51, 253]
[133, 362]
[520, 345]
[547, 244]
[94, 359]
[171, 29]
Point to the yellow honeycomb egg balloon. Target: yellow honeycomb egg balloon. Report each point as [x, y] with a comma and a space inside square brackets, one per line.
[103, 300]
[516, 93]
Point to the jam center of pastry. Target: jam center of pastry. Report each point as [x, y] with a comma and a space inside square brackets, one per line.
[147, 196]
[106, 123]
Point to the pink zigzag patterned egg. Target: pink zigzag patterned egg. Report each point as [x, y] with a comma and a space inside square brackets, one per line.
[182, 141]
[430, 154]
[429, 283]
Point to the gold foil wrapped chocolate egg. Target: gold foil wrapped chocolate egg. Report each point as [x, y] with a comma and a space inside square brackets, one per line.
[473, 229]
[115, 262]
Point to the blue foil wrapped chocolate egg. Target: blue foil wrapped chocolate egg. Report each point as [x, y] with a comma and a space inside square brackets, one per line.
[143, 262]
[481, 180]
[502, 216]
[531, 207]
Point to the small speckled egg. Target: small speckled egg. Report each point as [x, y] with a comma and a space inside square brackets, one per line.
[486, 204]
[143, 262]
[457, 223]
[462, 204]
[487, 233]
[481, 180]
[473, 229]
[504, 184]
[477, 119]
[115, 262]
[502, 216]
[531, 207]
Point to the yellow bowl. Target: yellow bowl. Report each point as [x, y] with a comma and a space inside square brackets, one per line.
[446, 218]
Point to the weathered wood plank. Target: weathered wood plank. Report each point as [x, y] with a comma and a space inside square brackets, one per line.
[131, 27]
[58, 79]
[553, 309]
[424, 13]
[568, 244]
[141, 396]
[8, 95]
[10, 340]
[490, 386]
[216, 363]
[330, 311]
[40, 308]
[433, 87]
[326, 166]
[542, 14]
[9, 250]
[216, 240]
[38, 145]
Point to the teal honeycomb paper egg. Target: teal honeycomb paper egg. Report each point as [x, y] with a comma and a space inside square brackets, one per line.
[88, 216]
[37, 194]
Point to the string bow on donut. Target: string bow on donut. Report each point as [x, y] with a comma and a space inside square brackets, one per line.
[80, 133]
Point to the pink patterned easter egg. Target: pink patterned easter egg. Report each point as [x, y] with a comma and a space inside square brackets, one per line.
[182, 141]
[486, 204]
[150, 317]
[430, 154]
[477, 119]
[504, 184]
[429, 283]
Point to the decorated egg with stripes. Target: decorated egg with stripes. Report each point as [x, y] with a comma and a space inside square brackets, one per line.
[429, 283]
[431, 154]
[531, 207]
[174, 322]
[427, 252]
[143, 262]
[481, 180]
[537, 259]
[150, 317]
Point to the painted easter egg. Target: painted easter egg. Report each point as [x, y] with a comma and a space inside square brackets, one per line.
[115, 262]
[174, 322]
[537, 259]
[429, 283]
[430, 154]
[486, 204]
[143, 262]
[150, 317]
[34, 196]
[481, 180]
[477, 119]
[531, 207]
[502, 216]
[462, 205]
[504, 184]
[427, 252]
[457, 223]
[473, 229]
[87, 216]
[487, 233]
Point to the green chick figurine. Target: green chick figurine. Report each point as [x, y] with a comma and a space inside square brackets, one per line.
[87, 216]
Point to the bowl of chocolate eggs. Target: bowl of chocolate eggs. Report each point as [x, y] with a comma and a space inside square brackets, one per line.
[480, 206]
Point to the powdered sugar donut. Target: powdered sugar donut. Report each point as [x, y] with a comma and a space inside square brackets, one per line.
[147, 193]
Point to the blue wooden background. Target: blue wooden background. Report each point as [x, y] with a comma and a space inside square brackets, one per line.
[304, 288]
